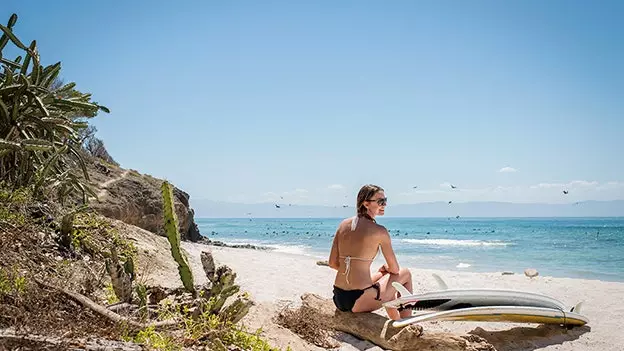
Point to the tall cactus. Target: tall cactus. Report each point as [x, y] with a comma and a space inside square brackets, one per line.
[173, 235]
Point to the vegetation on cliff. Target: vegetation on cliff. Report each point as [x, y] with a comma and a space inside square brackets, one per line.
[67, 273]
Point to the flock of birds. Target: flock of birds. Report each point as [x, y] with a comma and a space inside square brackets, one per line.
[565, 192]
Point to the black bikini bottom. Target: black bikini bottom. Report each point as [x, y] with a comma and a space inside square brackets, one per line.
[345, 299]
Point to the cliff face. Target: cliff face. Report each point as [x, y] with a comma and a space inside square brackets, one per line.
[136, 199]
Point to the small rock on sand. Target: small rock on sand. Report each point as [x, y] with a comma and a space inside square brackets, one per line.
[531, 272]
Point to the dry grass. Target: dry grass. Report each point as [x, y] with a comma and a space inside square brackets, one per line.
[309, 325]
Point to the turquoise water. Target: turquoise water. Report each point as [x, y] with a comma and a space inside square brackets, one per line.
[590, 248]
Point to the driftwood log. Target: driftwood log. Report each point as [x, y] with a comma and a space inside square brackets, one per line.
[85, 301]
[379, 330]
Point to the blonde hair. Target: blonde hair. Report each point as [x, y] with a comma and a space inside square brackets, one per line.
[366, 193]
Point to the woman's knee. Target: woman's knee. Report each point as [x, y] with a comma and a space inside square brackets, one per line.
[404, 272]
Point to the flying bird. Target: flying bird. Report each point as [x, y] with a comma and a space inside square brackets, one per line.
[278, 206]
[566, 192]
[450, 202]
[453, 186]
[281, 197]
[414, 187]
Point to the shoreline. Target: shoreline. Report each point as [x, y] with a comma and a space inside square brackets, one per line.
[379, 260]
[559, 247]
[277, 279]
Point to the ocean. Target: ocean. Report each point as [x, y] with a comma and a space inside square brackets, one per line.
[588, 248]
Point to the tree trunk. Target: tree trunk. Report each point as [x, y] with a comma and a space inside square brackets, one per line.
[379, 330]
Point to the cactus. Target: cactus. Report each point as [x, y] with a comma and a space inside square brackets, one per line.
[223, 287]
[173, 235]
[40, 122]
[67, 227]
[236, 310]
[121, 278]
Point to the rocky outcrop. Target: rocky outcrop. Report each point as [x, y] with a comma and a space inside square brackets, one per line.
[136, 199]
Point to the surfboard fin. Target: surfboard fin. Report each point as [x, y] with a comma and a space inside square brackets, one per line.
[401, 289]
[577, 308]
[440, 282]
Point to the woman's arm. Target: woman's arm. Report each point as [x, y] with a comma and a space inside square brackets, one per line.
[334, 261]
[392, 265]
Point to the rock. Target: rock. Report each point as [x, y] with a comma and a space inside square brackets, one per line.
[322, 263]
[531, 272]
[237, 246]
[507, 273]
[156, 294]
[136, 199]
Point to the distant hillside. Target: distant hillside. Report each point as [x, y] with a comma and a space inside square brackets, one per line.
[212, 209]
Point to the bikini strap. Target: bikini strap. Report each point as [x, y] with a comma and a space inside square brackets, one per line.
[347, 260]
[347, 268]
[355, 220]
[378, 288]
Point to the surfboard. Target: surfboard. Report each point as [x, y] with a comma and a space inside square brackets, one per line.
[451, 299]
[514, 314]
[464, 298]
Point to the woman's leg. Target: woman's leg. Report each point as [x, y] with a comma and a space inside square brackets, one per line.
[367, 302]
[389, 293]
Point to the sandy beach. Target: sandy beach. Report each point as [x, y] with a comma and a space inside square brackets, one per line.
[277, 279]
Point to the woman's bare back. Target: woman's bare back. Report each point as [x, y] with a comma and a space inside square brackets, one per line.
[357, 249]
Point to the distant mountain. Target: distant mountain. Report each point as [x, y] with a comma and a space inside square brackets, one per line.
[213, 209]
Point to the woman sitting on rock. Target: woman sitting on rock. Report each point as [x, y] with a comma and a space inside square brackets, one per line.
[355, 246]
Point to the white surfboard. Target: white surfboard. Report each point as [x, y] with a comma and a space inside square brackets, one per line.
[450, 299]
[463, 298]
[515, 314]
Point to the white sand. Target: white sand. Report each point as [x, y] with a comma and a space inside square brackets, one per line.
[277, 279]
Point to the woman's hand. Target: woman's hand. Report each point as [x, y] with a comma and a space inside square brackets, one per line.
[383, 270]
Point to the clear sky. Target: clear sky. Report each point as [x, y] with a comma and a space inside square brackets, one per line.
[250, 101]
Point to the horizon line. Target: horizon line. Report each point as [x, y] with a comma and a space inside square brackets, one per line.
[424, 217]
[408, 204]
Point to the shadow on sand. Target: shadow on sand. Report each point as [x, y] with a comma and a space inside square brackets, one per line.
[529, 338]
[357, 343]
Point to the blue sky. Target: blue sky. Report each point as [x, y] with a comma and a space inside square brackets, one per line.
[250, 102]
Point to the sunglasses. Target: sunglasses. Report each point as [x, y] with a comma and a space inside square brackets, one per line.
[381, 201]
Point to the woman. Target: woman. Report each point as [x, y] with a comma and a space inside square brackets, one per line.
[355, 246]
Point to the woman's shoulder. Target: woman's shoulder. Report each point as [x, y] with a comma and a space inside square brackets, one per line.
[380, 228]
